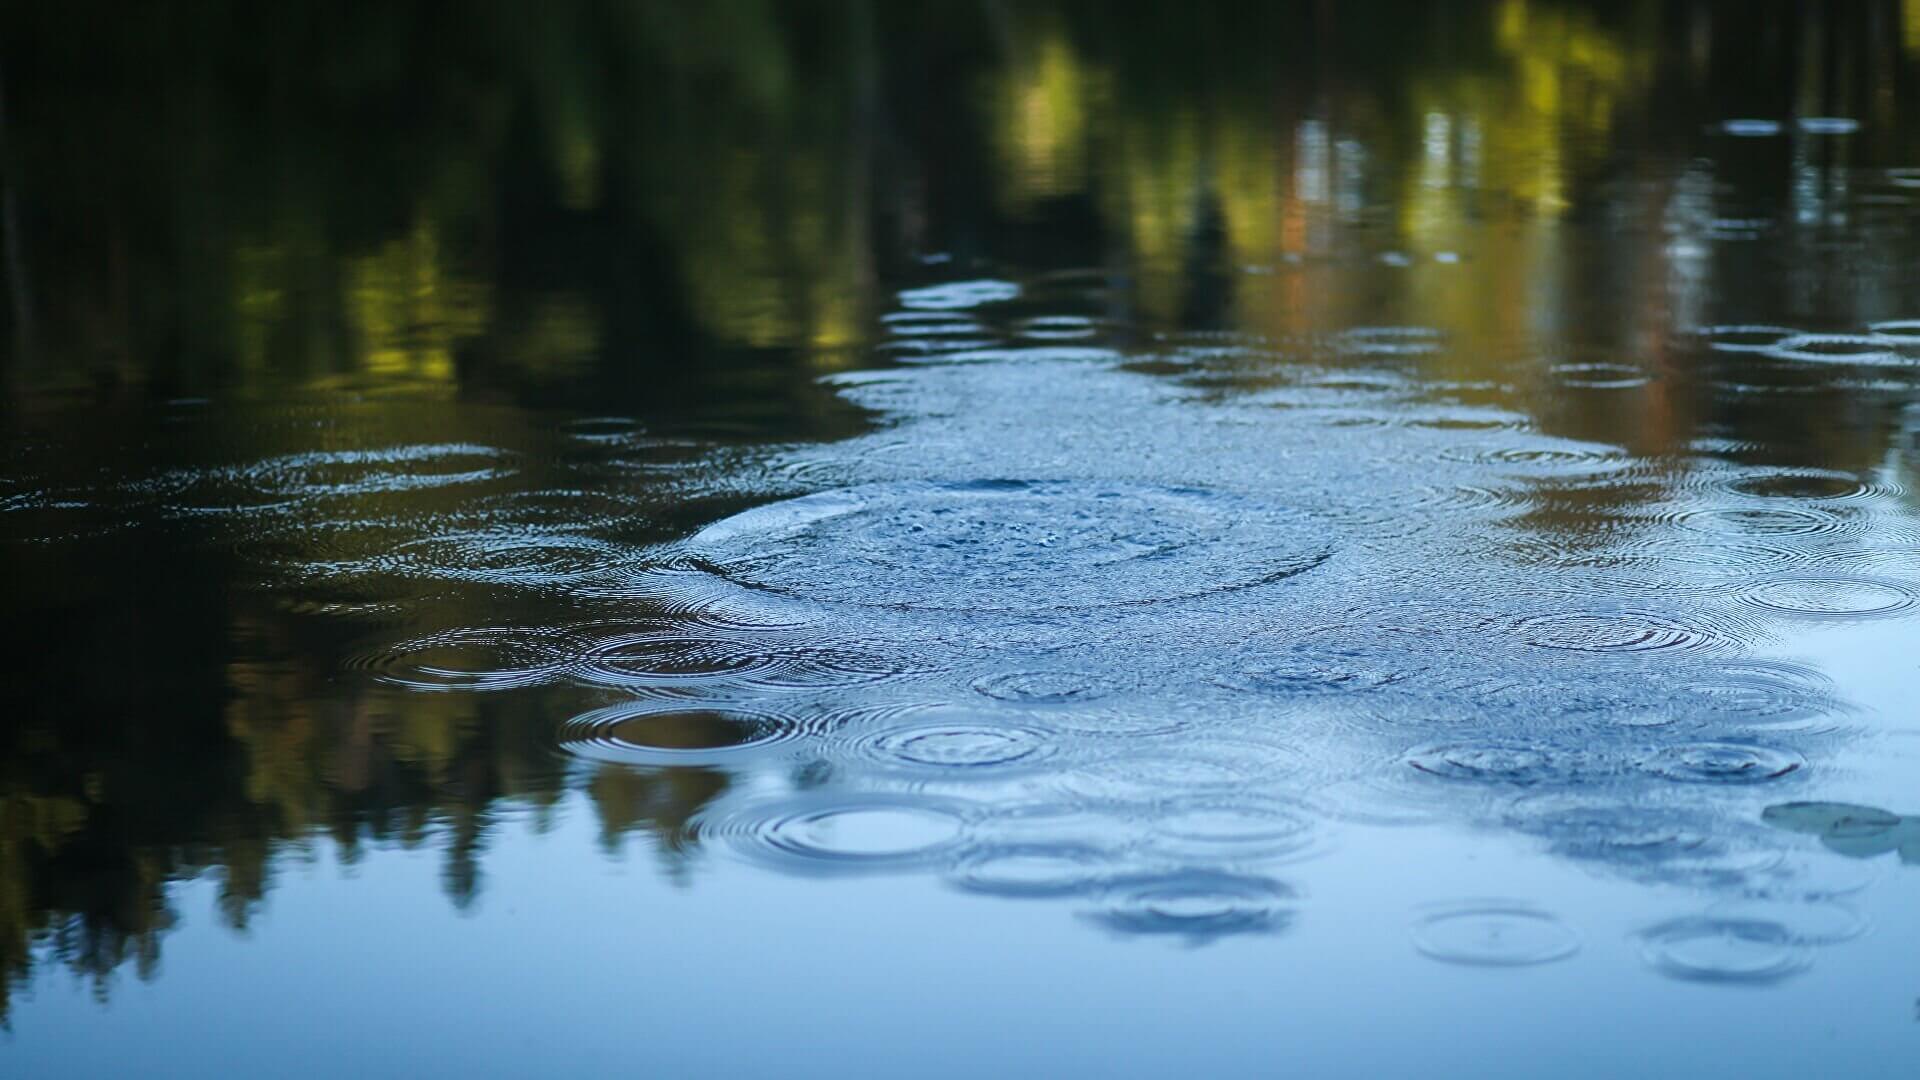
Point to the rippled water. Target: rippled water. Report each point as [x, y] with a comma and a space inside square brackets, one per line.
[1438, 592]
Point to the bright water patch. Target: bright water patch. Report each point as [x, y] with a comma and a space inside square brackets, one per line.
[1010, 545]
[959, 295]
[1252, 607]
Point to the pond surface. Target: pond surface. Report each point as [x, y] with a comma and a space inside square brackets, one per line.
[840, 539]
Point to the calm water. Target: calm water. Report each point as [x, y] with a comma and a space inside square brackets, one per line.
[853, 539]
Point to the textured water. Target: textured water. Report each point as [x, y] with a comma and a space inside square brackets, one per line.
[1030, 541]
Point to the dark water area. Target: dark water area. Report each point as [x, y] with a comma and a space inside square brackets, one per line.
[856, 539]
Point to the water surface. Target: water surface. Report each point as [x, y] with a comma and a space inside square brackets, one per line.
[832, 539]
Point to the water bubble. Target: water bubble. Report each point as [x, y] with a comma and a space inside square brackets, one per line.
[1494, 933]
[1732, 950]
[1722, 763]
[1199, 905]
[1010, 545]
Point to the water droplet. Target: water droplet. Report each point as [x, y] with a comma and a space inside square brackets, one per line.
[1760, 521]
[1862, 349]
[1802, 484]
[602, 429]
[957, 295]
[1836, 598]
[474, 658]
[1707, 949]
[1232, 826]
[1899, 331]
[1390, 340]
[842, 832]
[516, 555]
[341, 473]
[1746, 337]
[668, 656]
[1038, 869]
[1010, 545]
[1493, 764]
[1056, 687]
[1722, 763]
[954, 742]
[1056, 327]
[1807, 922]
[1600, 376]
[1621, 631]
[1494, 933]
[1199, 905]
[675, 733]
